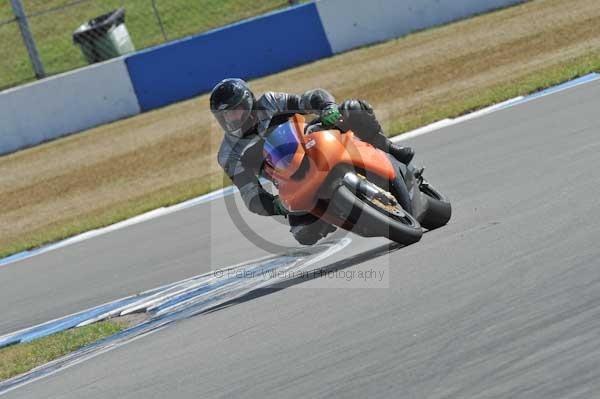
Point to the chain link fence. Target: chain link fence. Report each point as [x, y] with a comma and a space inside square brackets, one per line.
[52, 24]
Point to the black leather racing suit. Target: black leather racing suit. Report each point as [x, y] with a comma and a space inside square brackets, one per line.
[241, 158]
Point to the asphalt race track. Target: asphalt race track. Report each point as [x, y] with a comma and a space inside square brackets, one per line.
[503, 302]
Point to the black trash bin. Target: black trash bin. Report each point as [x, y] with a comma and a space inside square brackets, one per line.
[104, 37]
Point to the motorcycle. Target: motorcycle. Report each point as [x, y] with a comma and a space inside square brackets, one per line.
[349, 183]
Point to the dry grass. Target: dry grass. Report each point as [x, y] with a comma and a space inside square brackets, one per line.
[118, 170]
[21, 358]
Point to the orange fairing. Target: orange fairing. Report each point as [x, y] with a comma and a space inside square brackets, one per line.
[325, 150]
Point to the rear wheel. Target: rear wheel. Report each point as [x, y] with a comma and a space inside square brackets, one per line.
[374, 217]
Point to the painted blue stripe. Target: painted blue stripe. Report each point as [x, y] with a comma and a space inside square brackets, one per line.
[28, 254]
[14, 258]
[211, 286]
[187, 295]
[70, 322]
[555, 89]
[63, 324]
[9, 341]
[567, 85]
[193, 202]
[249, 49]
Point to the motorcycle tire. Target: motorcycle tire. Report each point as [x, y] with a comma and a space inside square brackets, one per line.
[438, 211]
[369, 220]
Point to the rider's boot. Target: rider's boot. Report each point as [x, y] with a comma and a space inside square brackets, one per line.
[402, 154]
[359, 116]
[308, 229]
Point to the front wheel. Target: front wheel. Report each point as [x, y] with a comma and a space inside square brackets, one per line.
[370, 217]
[438, 210]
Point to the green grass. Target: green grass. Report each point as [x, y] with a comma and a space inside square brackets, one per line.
[18, 359]
[53, 31]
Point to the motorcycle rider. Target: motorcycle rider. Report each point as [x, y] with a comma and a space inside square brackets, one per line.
[246, 119]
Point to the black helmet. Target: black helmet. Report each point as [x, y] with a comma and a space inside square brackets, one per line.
[232, 102]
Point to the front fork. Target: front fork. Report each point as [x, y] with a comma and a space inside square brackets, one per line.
[413, 178]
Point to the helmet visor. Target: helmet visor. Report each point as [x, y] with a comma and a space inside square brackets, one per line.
[232, 119]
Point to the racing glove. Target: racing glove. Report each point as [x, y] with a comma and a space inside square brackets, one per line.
[330, 115]
[278, 207]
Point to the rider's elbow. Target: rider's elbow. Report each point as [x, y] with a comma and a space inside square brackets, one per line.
[261, 205]
[257, 200]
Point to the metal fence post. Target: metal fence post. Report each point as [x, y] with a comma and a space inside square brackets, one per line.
[34, 56]
[159, 19]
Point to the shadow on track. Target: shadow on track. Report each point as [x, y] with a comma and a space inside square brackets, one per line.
[155, 324]
[281, 285]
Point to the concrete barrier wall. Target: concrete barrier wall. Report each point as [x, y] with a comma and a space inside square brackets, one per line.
[65, 104]
[354, 23]
[182, 69]
[249, 49]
